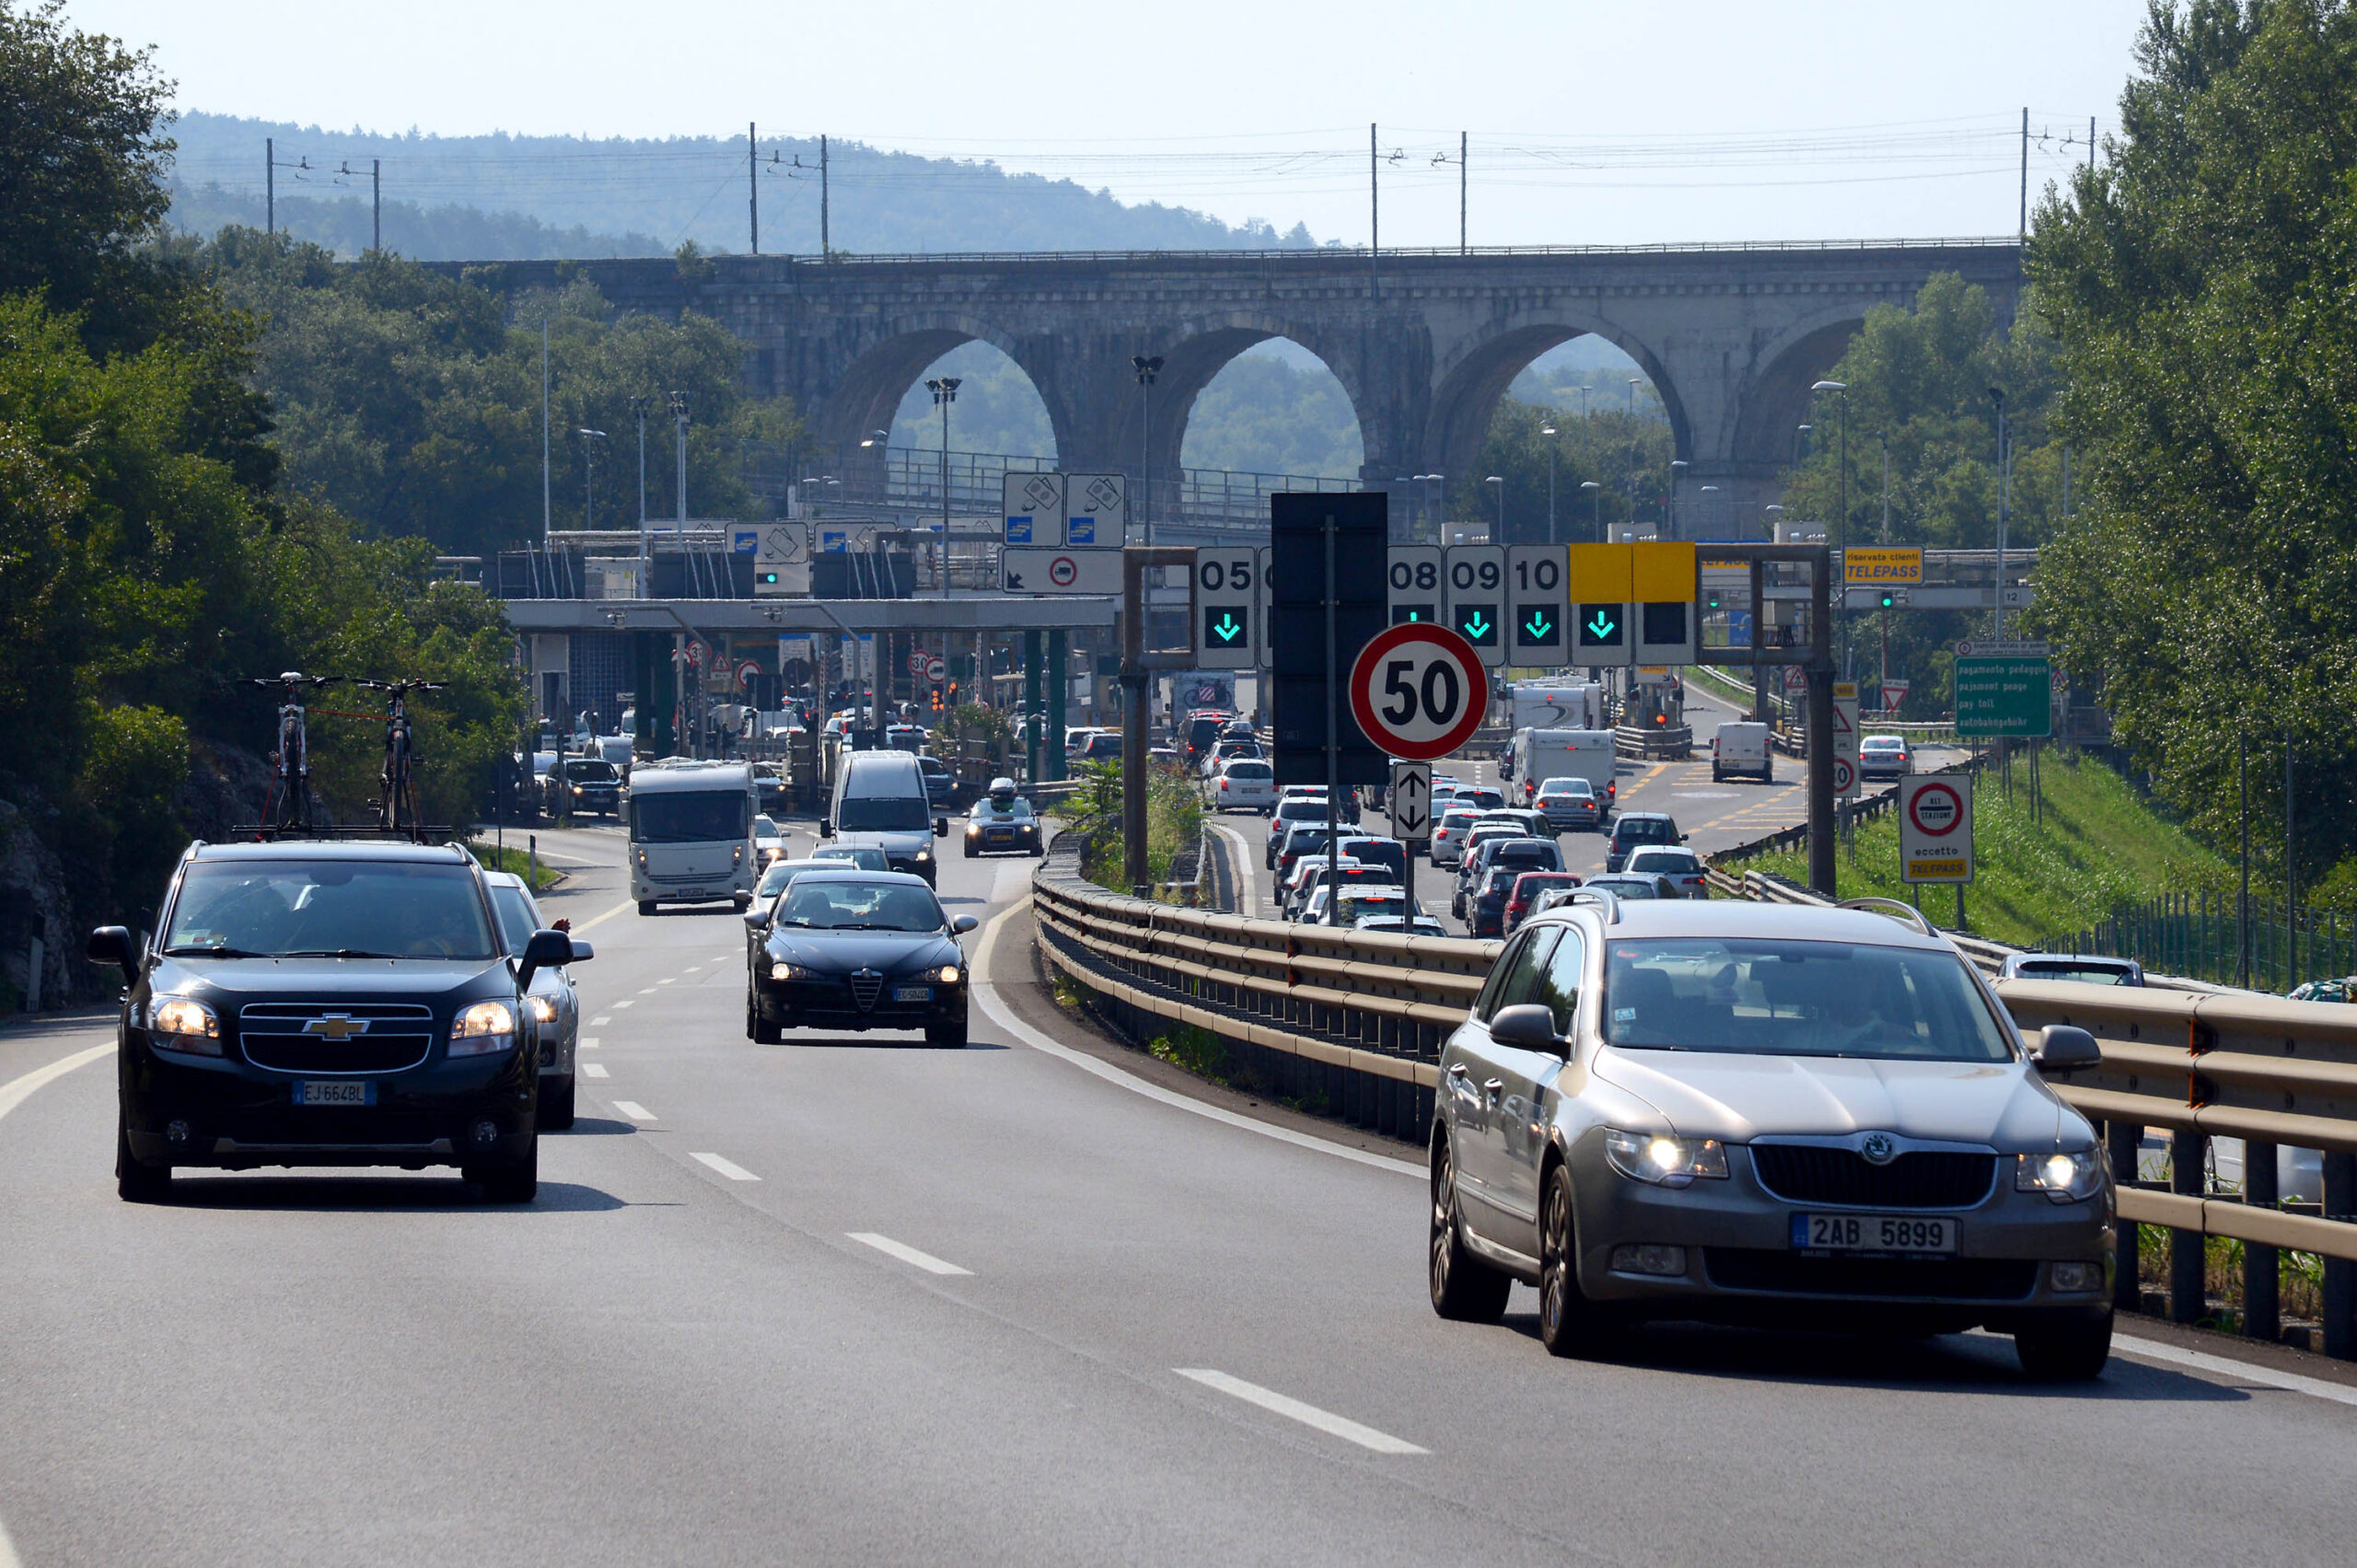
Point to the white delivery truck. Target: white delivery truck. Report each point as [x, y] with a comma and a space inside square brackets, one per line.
[1741, 748]
[1543, 754]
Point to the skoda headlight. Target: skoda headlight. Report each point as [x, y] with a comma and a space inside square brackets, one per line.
[182, 1023]
[2065, 1176]
[791, 971]
[543, 1011]
[1664, 1158]
[483, 1028]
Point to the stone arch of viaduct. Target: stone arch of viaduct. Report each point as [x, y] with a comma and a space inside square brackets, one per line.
[1424, 344]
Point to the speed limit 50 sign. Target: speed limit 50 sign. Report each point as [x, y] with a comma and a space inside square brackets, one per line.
[1419, 692]
[1935, 827]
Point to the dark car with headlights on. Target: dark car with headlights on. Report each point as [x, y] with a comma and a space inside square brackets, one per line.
[1759, 1113]
[1002, 822]
[327, 1004]
[858, 950]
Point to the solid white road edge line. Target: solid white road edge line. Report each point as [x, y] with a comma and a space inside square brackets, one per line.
[986, 994]
[594, 1070]
[2226, 1366]
[1308, 1415]
[902, 1250]
[7, 1551]
[15, 1092]
[601, 918]
[634, 1110]
[728, 1168]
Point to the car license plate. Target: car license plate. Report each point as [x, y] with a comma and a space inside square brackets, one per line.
[335, 1091]
[913, 994]
[1873, 1233]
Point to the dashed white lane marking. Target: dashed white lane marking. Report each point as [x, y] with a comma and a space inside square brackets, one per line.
[590, 1042]
[626, 1002]
[601, 1020]
[728, 1168]
[643, 990]
[2223, 1366]
[904, 1252]
[723, 957]
[1003, 1016]
[690, 970]
[1308, 1415]
[634, 1110]
[15, 1091]
[665, 981]
[594, 1070]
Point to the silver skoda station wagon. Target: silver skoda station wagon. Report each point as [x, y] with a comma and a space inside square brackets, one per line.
[1758, 1113]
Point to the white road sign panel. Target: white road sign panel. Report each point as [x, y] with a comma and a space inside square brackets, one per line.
[1476, 578]
[1095, 510]
[1059, 571]
[1227, 594]
[1412, 802]
[1538, 605]
[1034, 509]
[936, 669]
[1419, 692]
[1412, 585]
[1845, 739]
[1935, 827]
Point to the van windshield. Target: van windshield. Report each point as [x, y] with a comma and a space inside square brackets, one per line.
[882, 814]
[691, 817]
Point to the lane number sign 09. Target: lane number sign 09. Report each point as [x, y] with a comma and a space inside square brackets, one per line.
[1419, 692]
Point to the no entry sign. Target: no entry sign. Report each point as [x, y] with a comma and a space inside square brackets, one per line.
[1935, 827]
[1419, 692]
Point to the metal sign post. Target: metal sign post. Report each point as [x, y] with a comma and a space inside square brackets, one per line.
[1138, 663]
[1409, 803]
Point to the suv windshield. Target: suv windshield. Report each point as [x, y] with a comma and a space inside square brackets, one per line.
[883, 814]
[591, 768]
[695, 816]
[832, 905]
[328, 908]
[1780, 998]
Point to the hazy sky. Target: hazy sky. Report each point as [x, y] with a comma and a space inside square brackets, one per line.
[1608, 123]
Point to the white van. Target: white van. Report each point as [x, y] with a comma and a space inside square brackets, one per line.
[1741, 748]
[691, 833]
[1543, 754]
[880, 800]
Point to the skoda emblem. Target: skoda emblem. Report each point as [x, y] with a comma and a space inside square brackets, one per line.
[1878, 1148]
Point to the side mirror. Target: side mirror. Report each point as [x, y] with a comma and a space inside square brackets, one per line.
[941, 827]
[2065, 1047]
[1528, 1026]
[545, 950]
[582, 951]
[111, 945]
[826, 829]
[963, 923]
[757, 918]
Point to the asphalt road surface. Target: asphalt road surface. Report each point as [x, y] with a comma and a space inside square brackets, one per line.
[856, 1300]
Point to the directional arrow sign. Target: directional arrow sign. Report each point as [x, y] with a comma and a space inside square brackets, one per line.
[1478, 626]
[1226, 588]
[1536, 589]
[1474, 579]
[1541, 627]
[1224, 630]
[1411, 801]
[1602, 627]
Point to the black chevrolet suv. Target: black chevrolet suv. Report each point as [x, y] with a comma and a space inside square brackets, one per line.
[341, 1004]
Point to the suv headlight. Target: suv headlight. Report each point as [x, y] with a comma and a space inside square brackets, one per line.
[2065, 1176]
[1664, 1158]
[182, 1023]
[543, 1011]
[482, 1029]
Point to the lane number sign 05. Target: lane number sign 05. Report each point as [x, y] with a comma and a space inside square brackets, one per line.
[1419, 692]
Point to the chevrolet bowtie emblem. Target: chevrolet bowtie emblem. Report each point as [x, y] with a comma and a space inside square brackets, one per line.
[337, 1027]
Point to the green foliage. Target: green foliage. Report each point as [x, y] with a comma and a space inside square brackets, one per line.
[2098, 845]
[1191, 1050]
[1627, 455]
[2203, 285]
[998, 409]
[412, 401]
[968, 718]
[1174, 814]
[1263, 416]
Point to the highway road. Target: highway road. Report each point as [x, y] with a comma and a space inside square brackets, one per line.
[856, 1300]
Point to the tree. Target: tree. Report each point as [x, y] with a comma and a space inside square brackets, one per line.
[1628, 456]
[2202, 286]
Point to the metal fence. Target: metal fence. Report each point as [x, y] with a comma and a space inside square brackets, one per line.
[2264, 943]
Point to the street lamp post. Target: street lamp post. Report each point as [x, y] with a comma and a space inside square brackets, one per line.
[1707, 490]
[1884, 437]
[679, 401]
[638, 407]
[1670, 521]
[1147, 366]
[944, 392]
[1595, 507]
[2004, 501]
[1500, 538]
[1841, 525]
[590, 439]
[1548, 430]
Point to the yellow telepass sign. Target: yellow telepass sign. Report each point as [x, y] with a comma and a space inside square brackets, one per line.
[1882, 567]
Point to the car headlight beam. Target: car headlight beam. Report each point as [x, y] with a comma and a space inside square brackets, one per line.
[482, 1029]
[949, 974]
[2065, 1176]
[182, 1023]
[542, 1009]
[791, 971]
[1664, 1159]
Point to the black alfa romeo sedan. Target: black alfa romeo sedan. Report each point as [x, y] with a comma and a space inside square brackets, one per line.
[859, 950]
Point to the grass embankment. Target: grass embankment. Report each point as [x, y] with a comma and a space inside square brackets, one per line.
[1174, 821]
[492, 857]
[2097, 846]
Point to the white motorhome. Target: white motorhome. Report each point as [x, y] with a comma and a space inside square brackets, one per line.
[691, 833]
[1543, 754]
[1553, 705]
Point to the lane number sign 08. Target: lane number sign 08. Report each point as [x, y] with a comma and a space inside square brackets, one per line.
[1419, 692]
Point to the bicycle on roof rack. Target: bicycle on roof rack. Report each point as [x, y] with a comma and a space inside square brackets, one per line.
[287, 807]
[397, 804]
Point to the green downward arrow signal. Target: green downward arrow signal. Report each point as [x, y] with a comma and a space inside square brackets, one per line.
[1477, 624]
[1538, 625]
[1227, 628]
[1601, 627]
